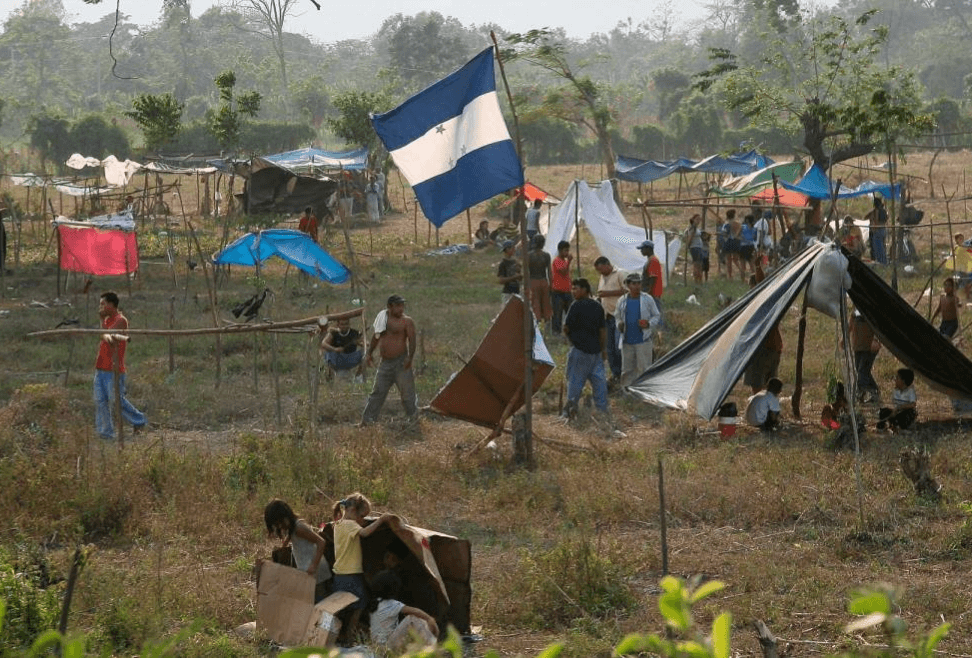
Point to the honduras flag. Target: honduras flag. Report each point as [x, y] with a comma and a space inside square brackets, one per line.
[451, 143]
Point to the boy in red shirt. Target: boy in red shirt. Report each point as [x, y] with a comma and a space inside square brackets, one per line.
[111, 356]
[560, 286]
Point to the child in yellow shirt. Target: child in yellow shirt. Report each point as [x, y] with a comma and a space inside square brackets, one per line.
[348, 568]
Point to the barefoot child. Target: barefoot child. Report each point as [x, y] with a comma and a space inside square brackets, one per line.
[348, 567]
[948, 308]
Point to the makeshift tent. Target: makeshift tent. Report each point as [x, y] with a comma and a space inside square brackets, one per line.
[491, 382]
[291, 181]
[615, 238]
[753, 183]
[117, 172]
[102, 246]
[646, 171]
[293, 246]
[699, 373]
[816, 185]
[787, 197]
[316, 161]
[438, 568]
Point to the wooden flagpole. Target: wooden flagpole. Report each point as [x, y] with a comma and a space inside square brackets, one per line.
[525, 281]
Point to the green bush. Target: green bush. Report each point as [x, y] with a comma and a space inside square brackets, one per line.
[32, 603]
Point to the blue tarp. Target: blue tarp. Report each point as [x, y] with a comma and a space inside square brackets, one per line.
[354, 160]
[646, 171]
[293, 246]
[816, 185]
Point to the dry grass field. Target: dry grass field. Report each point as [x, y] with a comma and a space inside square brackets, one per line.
[569, 552]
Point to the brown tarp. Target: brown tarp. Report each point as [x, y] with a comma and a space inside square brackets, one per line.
[482, 389]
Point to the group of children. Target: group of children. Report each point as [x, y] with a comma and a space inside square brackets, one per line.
[835, 416]
[392, 623]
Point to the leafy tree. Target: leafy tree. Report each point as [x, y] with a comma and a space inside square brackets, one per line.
[579, 100]
[225, 123]
[96, 137]
[826, 82]
[353, 123]
[312, 99]
[423, 48]
[548, 140]
[671, 85]
[650, 142]
[49, 135]
[158, 116]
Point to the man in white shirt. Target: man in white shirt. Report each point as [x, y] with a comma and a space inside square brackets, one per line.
[610, 288]
[763, 410]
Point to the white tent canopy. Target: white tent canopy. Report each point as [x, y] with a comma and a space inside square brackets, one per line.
[615, 238]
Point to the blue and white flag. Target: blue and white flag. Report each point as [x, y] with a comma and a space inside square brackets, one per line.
[451, 142]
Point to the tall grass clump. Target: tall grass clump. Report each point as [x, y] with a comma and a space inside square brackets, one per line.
[572, 581]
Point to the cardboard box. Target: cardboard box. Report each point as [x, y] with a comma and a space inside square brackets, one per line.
[285, 607]
[323, 625]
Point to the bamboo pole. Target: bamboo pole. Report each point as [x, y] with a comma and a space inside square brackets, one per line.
[577, 224]
[210, 286]
[230, 329]
[663, 521]
[171, 341]
[801, 343]
[469, 226]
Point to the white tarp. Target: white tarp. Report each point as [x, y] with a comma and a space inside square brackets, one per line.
[124, 221]
[117, 173]
[616, 239]
[27, 180]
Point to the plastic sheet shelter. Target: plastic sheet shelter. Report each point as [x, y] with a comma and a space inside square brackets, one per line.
[699, 374]
[438, 568]
[615, 238]
[646, 171]
[757, 181]
[481, 391]
[101, 246]
[293, 246]
[816, 185]
[291, 181]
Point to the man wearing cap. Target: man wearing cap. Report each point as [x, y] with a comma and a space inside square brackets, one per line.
[637, 317]
[651, 274]
[394, 334]
[509, 272]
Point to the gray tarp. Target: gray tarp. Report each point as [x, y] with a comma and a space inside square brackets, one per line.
[700, 372]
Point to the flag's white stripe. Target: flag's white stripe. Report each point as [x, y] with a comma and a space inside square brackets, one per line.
[436, 152]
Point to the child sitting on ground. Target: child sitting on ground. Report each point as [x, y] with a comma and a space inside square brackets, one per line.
[763, 410]
[393, 622]
[905, 401]
[948, 308]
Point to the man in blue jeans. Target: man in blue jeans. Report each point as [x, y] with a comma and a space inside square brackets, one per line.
[585, 329]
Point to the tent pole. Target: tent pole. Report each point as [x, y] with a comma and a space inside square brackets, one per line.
[469, 226]
[801, 342]
[850, 375]
[577, 224]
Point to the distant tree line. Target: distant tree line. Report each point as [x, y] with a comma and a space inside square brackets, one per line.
[630, 91]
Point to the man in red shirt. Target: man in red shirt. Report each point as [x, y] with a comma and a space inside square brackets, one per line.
[560, 296]
[111, 360]
[308, 223]
[651, 276]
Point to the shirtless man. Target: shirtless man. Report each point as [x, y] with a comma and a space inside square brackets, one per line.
[395, 335]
